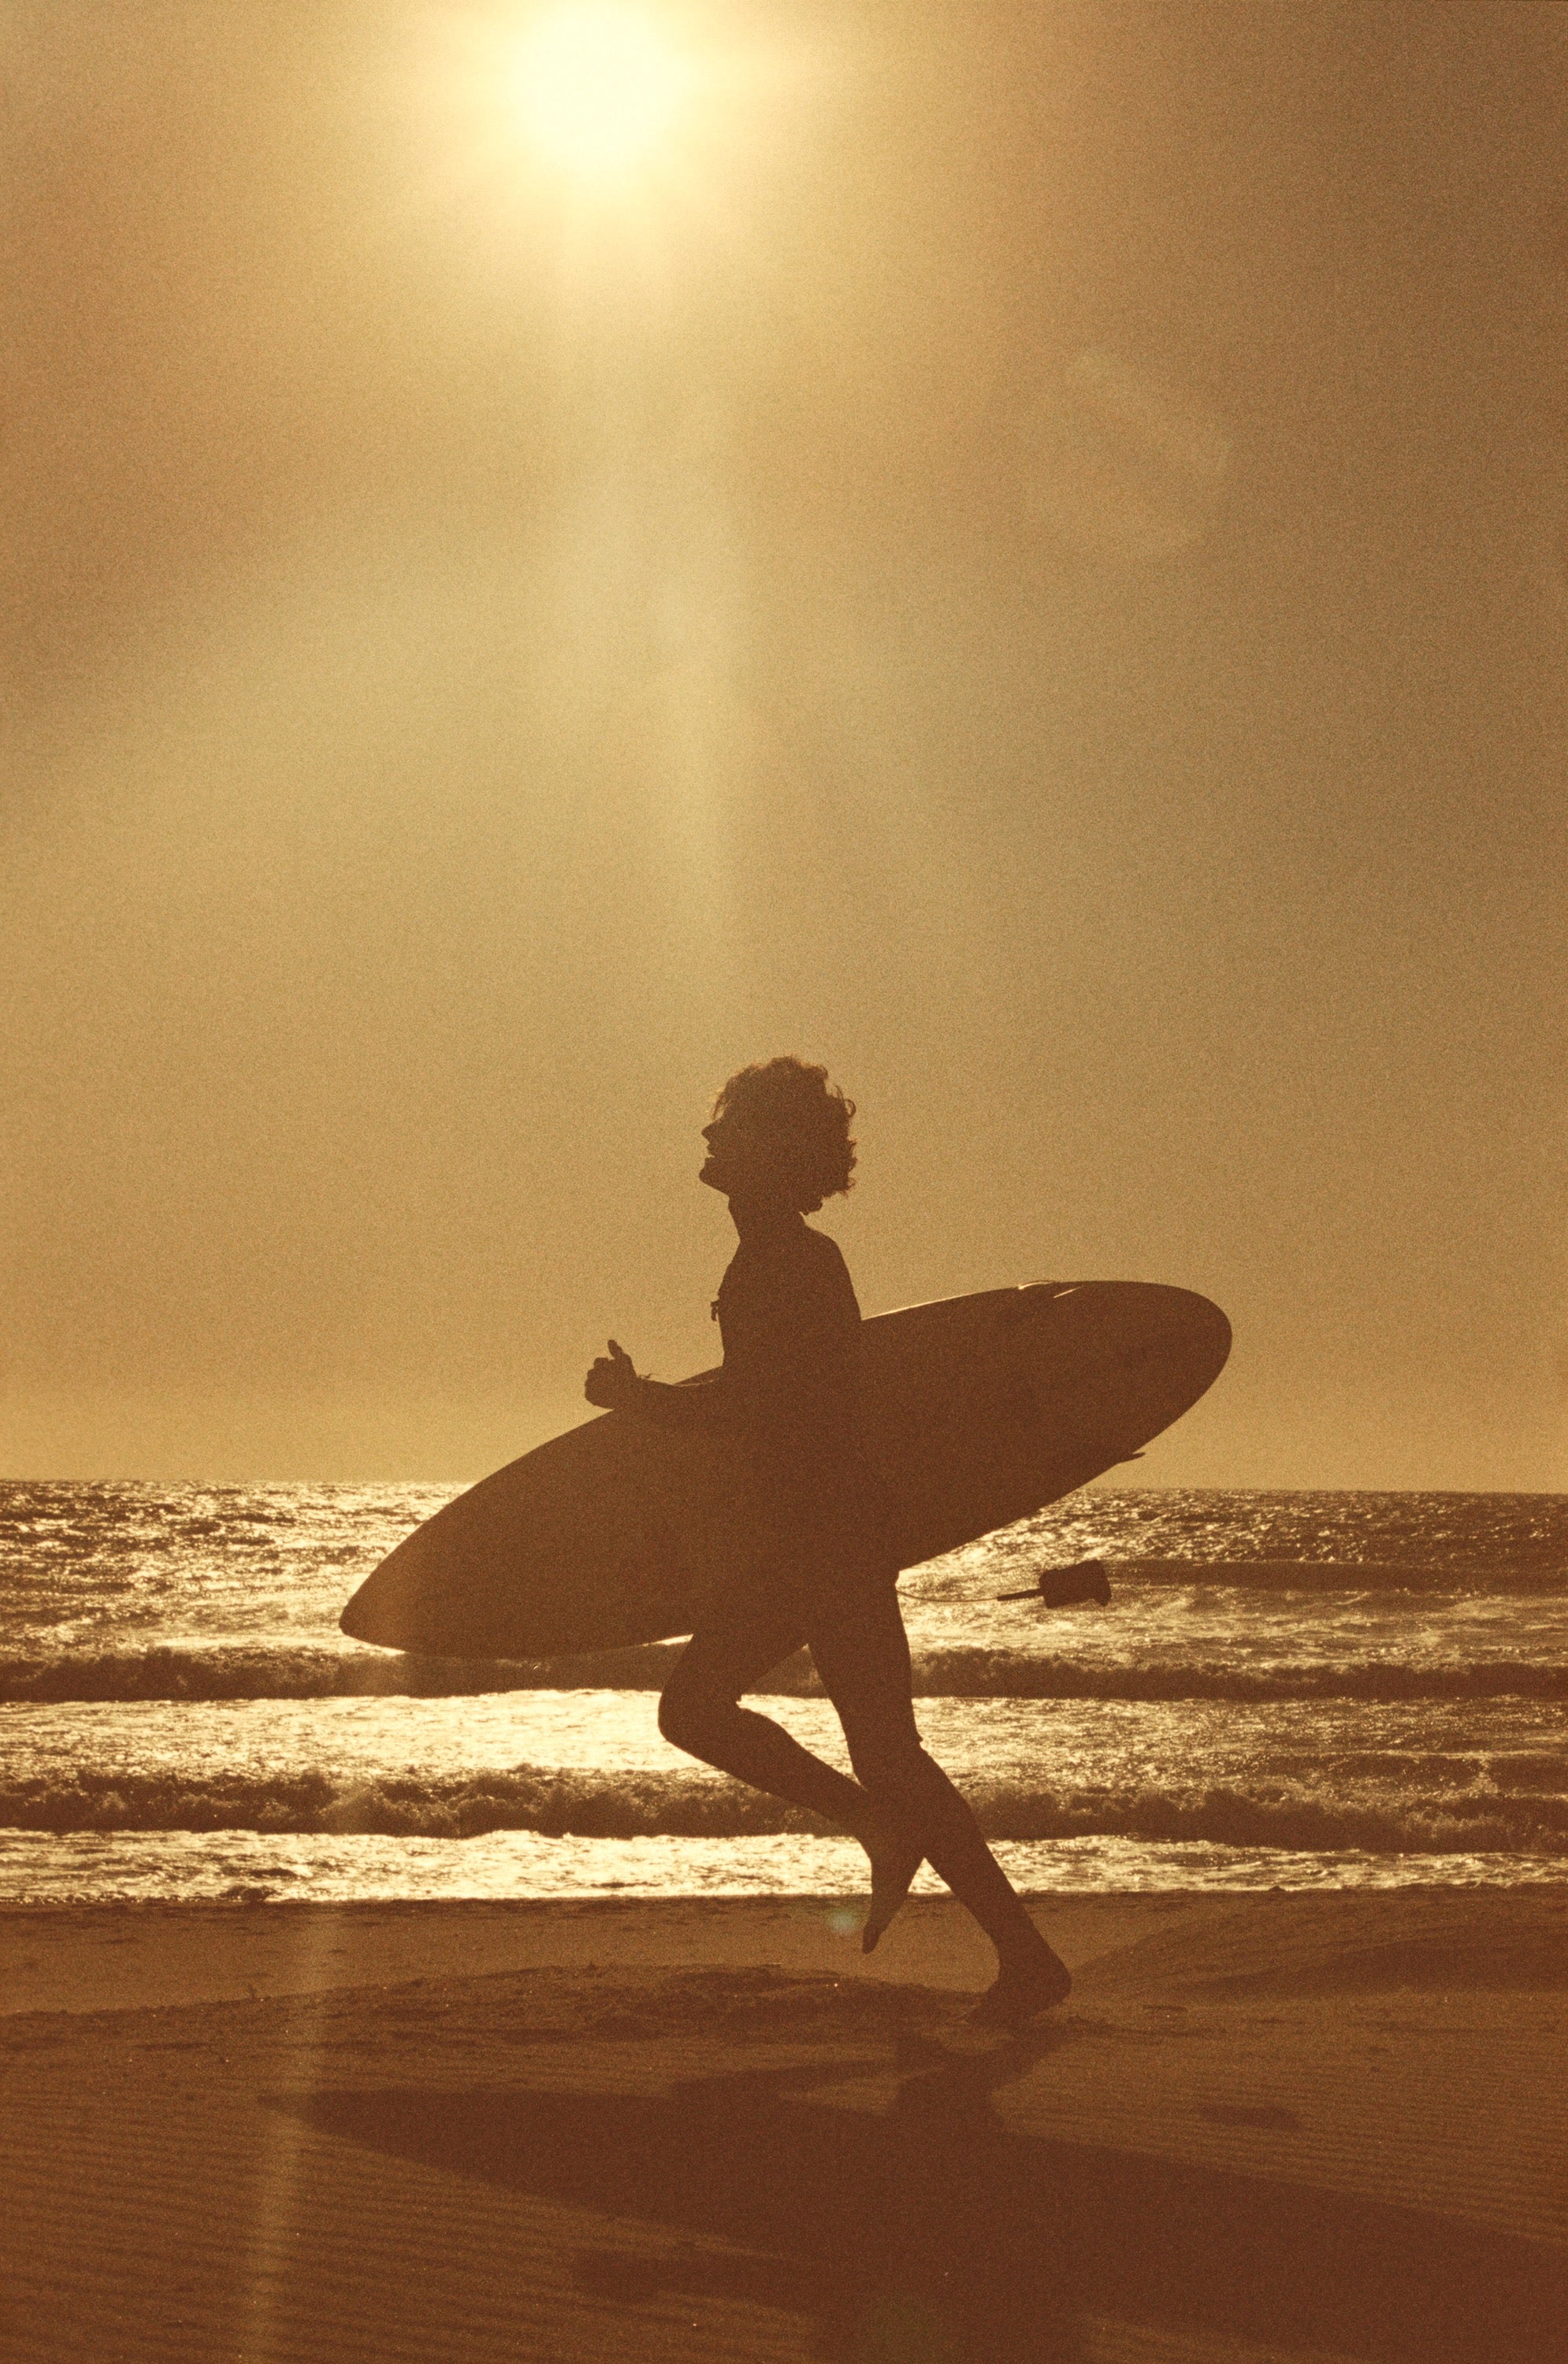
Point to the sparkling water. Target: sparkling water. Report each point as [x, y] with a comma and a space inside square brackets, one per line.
[1285, 1690]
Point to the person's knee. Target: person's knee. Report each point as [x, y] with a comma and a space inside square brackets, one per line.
[691, 1719]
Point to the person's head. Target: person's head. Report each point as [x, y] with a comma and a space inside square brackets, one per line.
[780, 1129]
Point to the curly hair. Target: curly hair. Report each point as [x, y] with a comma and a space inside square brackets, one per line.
[805, 1120]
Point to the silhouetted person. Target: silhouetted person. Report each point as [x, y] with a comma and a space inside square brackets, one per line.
[788, 1396]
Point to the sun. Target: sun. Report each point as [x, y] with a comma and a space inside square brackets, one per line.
[599, 86]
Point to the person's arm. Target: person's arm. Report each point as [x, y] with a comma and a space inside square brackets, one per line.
[789, 1369]
[614, 1386]
[693, 1403]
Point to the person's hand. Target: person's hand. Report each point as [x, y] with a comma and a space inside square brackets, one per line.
[612, 1382]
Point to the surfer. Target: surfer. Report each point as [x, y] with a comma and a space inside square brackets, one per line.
[788, 1394]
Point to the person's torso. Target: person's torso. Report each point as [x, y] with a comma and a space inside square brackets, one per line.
[790, 1327]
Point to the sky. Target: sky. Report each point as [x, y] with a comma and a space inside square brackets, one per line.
[1018, 550]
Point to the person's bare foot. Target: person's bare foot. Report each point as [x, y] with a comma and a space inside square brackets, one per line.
[1023, 1989]
[894, 1860]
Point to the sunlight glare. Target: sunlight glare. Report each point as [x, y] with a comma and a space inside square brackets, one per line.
[599, 86]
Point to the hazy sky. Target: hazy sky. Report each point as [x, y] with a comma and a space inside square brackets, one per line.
[1023, 552]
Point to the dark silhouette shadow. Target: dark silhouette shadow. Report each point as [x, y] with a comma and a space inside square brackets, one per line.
[933, 2232]
[786, 1404]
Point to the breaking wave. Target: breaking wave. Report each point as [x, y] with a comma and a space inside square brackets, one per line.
[962, 1671]
[1276, 1813]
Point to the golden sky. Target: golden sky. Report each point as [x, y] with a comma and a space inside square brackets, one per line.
[1021, 550]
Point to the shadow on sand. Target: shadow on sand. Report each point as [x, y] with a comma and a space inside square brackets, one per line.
[933, 2232]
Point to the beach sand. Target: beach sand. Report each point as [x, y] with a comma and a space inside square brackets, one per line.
[1312, 2127]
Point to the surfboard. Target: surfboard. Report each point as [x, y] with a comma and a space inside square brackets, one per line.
[977, 1410]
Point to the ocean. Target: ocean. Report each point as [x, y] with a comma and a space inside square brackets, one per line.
[1287, 1690]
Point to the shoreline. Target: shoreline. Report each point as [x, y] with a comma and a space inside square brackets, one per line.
[155, 1955]
[129, 1955]
[98, 1958]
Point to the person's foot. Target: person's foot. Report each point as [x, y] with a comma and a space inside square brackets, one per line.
[894, 1860]
[1023, 1989]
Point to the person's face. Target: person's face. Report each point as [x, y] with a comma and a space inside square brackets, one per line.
[736, 1156]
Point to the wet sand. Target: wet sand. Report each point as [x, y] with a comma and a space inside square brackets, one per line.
[1283, 2126]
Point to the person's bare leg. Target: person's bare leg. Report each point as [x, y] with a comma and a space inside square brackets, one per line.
[1032, 1975]
[863, 1655]
[897, 1855]
[700, 1713]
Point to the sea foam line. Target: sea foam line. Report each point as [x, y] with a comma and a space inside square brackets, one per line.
[1267, 1812]
[216, 1672]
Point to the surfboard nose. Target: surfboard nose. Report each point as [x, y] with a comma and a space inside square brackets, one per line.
[1136, 1315]
[1125, 1358]
[1203, 1330]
